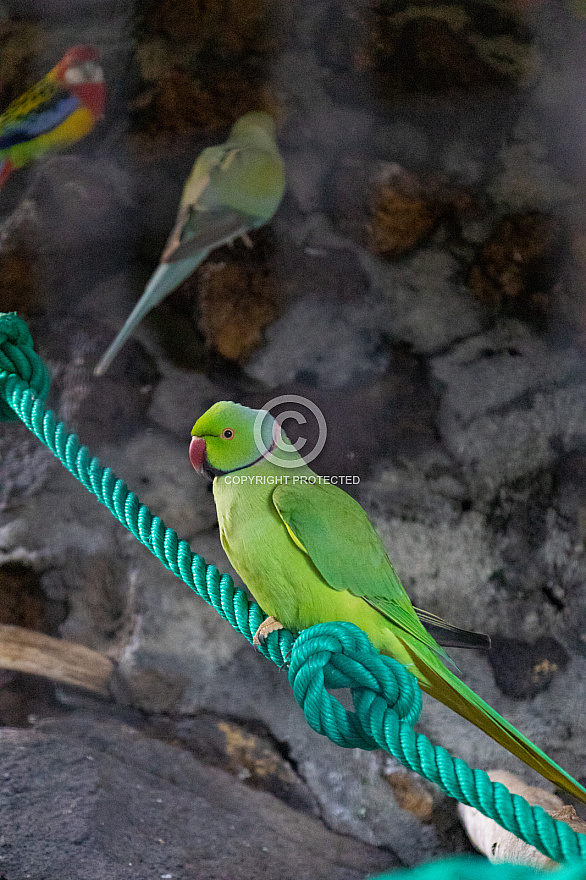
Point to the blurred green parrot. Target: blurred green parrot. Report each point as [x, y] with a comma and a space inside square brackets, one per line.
[232, 189]
[308, 553]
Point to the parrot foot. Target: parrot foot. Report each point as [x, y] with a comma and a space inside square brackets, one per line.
[267, 626]
[247, 240]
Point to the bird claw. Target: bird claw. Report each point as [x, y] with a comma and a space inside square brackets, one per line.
[269, 625]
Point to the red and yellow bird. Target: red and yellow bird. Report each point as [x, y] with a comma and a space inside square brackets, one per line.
[56, 112]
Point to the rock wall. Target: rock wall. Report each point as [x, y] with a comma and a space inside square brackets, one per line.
[423, 284]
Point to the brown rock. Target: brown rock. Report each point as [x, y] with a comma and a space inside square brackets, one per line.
[236, 27]
[519, 265]
[411, 793]
[23, 696]
[176, 104]
[202, 65]
[237, 297]
[427, 47]
[390, 210]
[179, 100]
[403, 214]
[23, 604]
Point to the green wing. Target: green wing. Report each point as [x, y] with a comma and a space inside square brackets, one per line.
[333, 530]
[203, 221]
[203, 231]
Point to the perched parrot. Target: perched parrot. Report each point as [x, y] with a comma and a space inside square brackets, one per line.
[59, 110]
[309, 555]
[233, 188]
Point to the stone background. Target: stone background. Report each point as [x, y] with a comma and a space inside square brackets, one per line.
[423, 284]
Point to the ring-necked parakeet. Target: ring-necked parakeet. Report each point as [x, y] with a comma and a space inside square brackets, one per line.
[233, 188]
[309, 555]
[56, 112]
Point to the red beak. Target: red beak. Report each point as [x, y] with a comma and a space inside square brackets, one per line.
[197, 453]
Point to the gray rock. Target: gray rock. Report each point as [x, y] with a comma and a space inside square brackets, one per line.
[349, 784]
[155, 465]
[305, 172]
[339, 342]
[117, 804]
[491, 371]
[509, 403]
[178, 646]
[343, 128]
[463, 162]
[404, 143]
[25, 464]
[93, 196]
[472, 505]
[529, 180]
[425, 488]
[179, 399]
[67, 534]
[550, 720]
[111, 300]
[426, 306]
[301, 78]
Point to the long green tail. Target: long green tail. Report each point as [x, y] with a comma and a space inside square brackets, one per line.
[165, 278]
[444, 686]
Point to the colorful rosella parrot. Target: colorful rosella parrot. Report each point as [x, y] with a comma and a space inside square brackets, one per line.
[59, 110]
[309, 555]
[233, 188]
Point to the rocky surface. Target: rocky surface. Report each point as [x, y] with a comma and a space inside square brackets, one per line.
[113, 803]
[463, 421]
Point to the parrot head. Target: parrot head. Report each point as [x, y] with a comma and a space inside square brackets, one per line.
[229, 437]
[80, 73]
[256, 129]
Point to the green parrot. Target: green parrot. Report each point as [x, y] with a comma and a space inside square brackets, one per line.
[233, 188]
[308, 553]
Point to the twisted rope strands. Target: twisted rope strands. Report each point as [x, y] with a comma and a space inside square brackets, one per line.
[474, 868]
[386, 709]
[386, 696]
[176, 555]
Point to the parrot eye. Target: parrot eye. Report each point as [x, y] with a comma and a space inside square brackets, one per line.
[227, 433]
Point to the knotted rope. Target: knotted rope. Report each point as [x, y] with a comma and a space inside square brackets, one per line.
[387, 698]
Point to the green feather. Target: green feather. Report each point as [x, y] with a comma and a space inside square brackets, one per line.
[326, 523]
[233, 188]
[309, 555]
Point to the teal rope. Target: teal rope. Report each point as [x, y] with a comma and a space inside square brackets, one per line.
[386, 696]
[476, 868]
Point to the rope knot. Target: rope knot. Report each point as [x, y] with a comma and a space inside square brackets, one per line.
[340, 655]
[18, 358]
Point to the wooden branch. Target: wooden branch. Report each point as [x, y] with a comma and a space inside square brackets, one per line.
[24, 650]
[499, 845]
